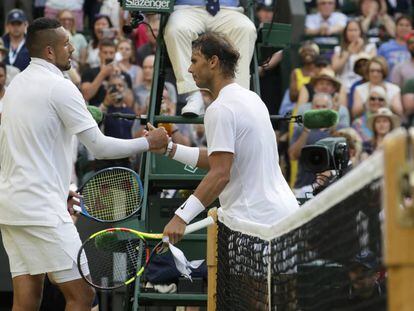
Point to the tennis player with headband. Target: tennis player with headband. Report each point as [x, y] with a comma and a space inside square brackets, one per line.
[241, 153]
[42, 112]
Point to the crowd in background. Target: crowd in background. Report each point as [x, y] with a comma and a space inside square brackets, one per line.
[357, 57]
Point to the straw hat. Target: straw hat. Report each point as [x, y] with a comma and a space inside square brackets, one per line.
[327, 74]
[384, 112]
[2, 47]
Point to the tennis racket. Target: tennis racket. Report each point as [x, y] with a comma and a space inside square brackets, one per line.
[110, 195]
[117, 256]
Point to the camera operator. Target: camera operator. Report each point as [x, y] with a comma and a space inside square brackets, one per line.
[303, 136]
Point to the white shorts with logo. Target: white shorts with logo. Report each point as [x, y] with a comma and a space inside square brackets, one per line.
[37, 249]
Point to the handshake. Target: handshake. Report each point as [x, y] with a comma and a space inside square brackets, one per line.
[157, 138]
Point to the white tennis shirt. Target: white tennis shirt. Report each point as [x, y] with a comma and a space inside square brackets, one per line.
[42, 111]
[238, 122]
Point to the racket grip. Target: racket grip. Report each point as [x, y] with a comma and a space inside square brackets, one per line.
[77, 208]
[199, 225]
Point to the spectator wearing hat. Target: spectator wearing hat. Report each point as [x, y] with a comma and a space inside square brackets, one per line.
[353, 43]
[404, 71]
[377, 71]
[360, 69]
[366, 285]
[377, 99]
[380, 123]
[15, 39]
[324, 82]
[395, 50]
[11, 70]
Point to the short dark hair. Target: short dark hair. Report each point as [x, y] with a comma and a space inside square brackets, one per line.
[210, 44]
[37, 37]
[107, 42]
[402, 17]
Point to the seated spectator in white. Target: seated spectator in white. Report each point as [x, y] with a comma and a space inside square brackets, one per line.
[192, 17]
[11, 70]
[377, 99]
[78, 41]
[375, 21]
[404, 71]
[360, 69]
[102, 27]
[324, 82]
[150, 47]
[303, 136]
[127, 63]
[53, 7]
[15, 39]
[395, 51]
[377, 71]
[142, 91]
[3, 77]
[353, 43]
[381, 123]
[95, 80]
[326, 22]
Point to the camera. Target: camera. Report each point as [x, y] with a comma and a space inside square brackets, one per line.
[113, 90]
[326, 154]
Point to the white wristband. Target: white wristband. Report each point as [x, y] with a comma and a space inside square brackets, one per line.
[190, 209]
[169, 148]
[187, 155]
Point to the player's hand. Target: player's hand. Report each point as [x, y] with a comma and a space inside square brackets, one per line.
[157, 138]
[73, 199]
[175, 229]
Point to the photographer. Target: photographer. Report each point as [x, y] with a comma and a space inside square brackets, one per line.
[95, 80]
[303, 136]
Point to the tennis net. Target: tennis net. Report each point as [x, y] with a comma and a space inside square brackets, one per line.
[326, 256]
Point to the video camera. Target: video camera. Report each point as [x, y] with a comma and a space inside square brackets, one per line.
[326, 154]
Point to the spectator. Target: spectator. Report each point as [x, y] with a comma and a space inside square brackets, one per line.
[404, 71]
[150, 47]
[3, 76]
[78, 41]
[25, 5]
[15, 39]
[354, 142]
[11, 70]
[94, 80]
[360, 68]
[380, 123]
[377, 99]
[127, 64]
[189, 19]
[302, 75]
[326, 22]
[53, 7]
[303, 136]
[264, 13]
[395, 50]
[366, 287]
[353, 43]
[113, 10]
[101, 27]
[377, 71]
[375, 21]
[323, 82]
[408, 102]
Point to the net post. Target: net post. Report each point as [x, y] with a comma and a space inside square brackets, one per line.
[399, 253]
[212, 261]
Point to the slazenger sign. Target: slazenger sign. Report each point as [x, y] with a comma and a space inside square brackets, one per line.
[149, 5]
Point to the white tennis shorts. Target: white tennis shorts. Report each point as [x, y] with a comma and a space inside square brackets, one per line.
[37, 249]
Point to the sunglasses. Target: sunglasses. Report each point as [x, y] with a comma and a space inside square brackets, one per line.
[373, 98]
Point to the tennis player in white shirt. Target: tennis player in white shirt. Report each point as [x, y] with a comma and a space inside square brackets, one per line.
[241, 152]
[42, 111]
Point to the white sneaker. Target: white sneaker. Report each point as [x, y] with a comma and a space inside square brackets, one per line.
[194, 106]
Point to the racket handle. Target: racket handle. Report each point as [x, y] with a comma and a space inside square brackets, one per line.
[199, 225]
[77, 208]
